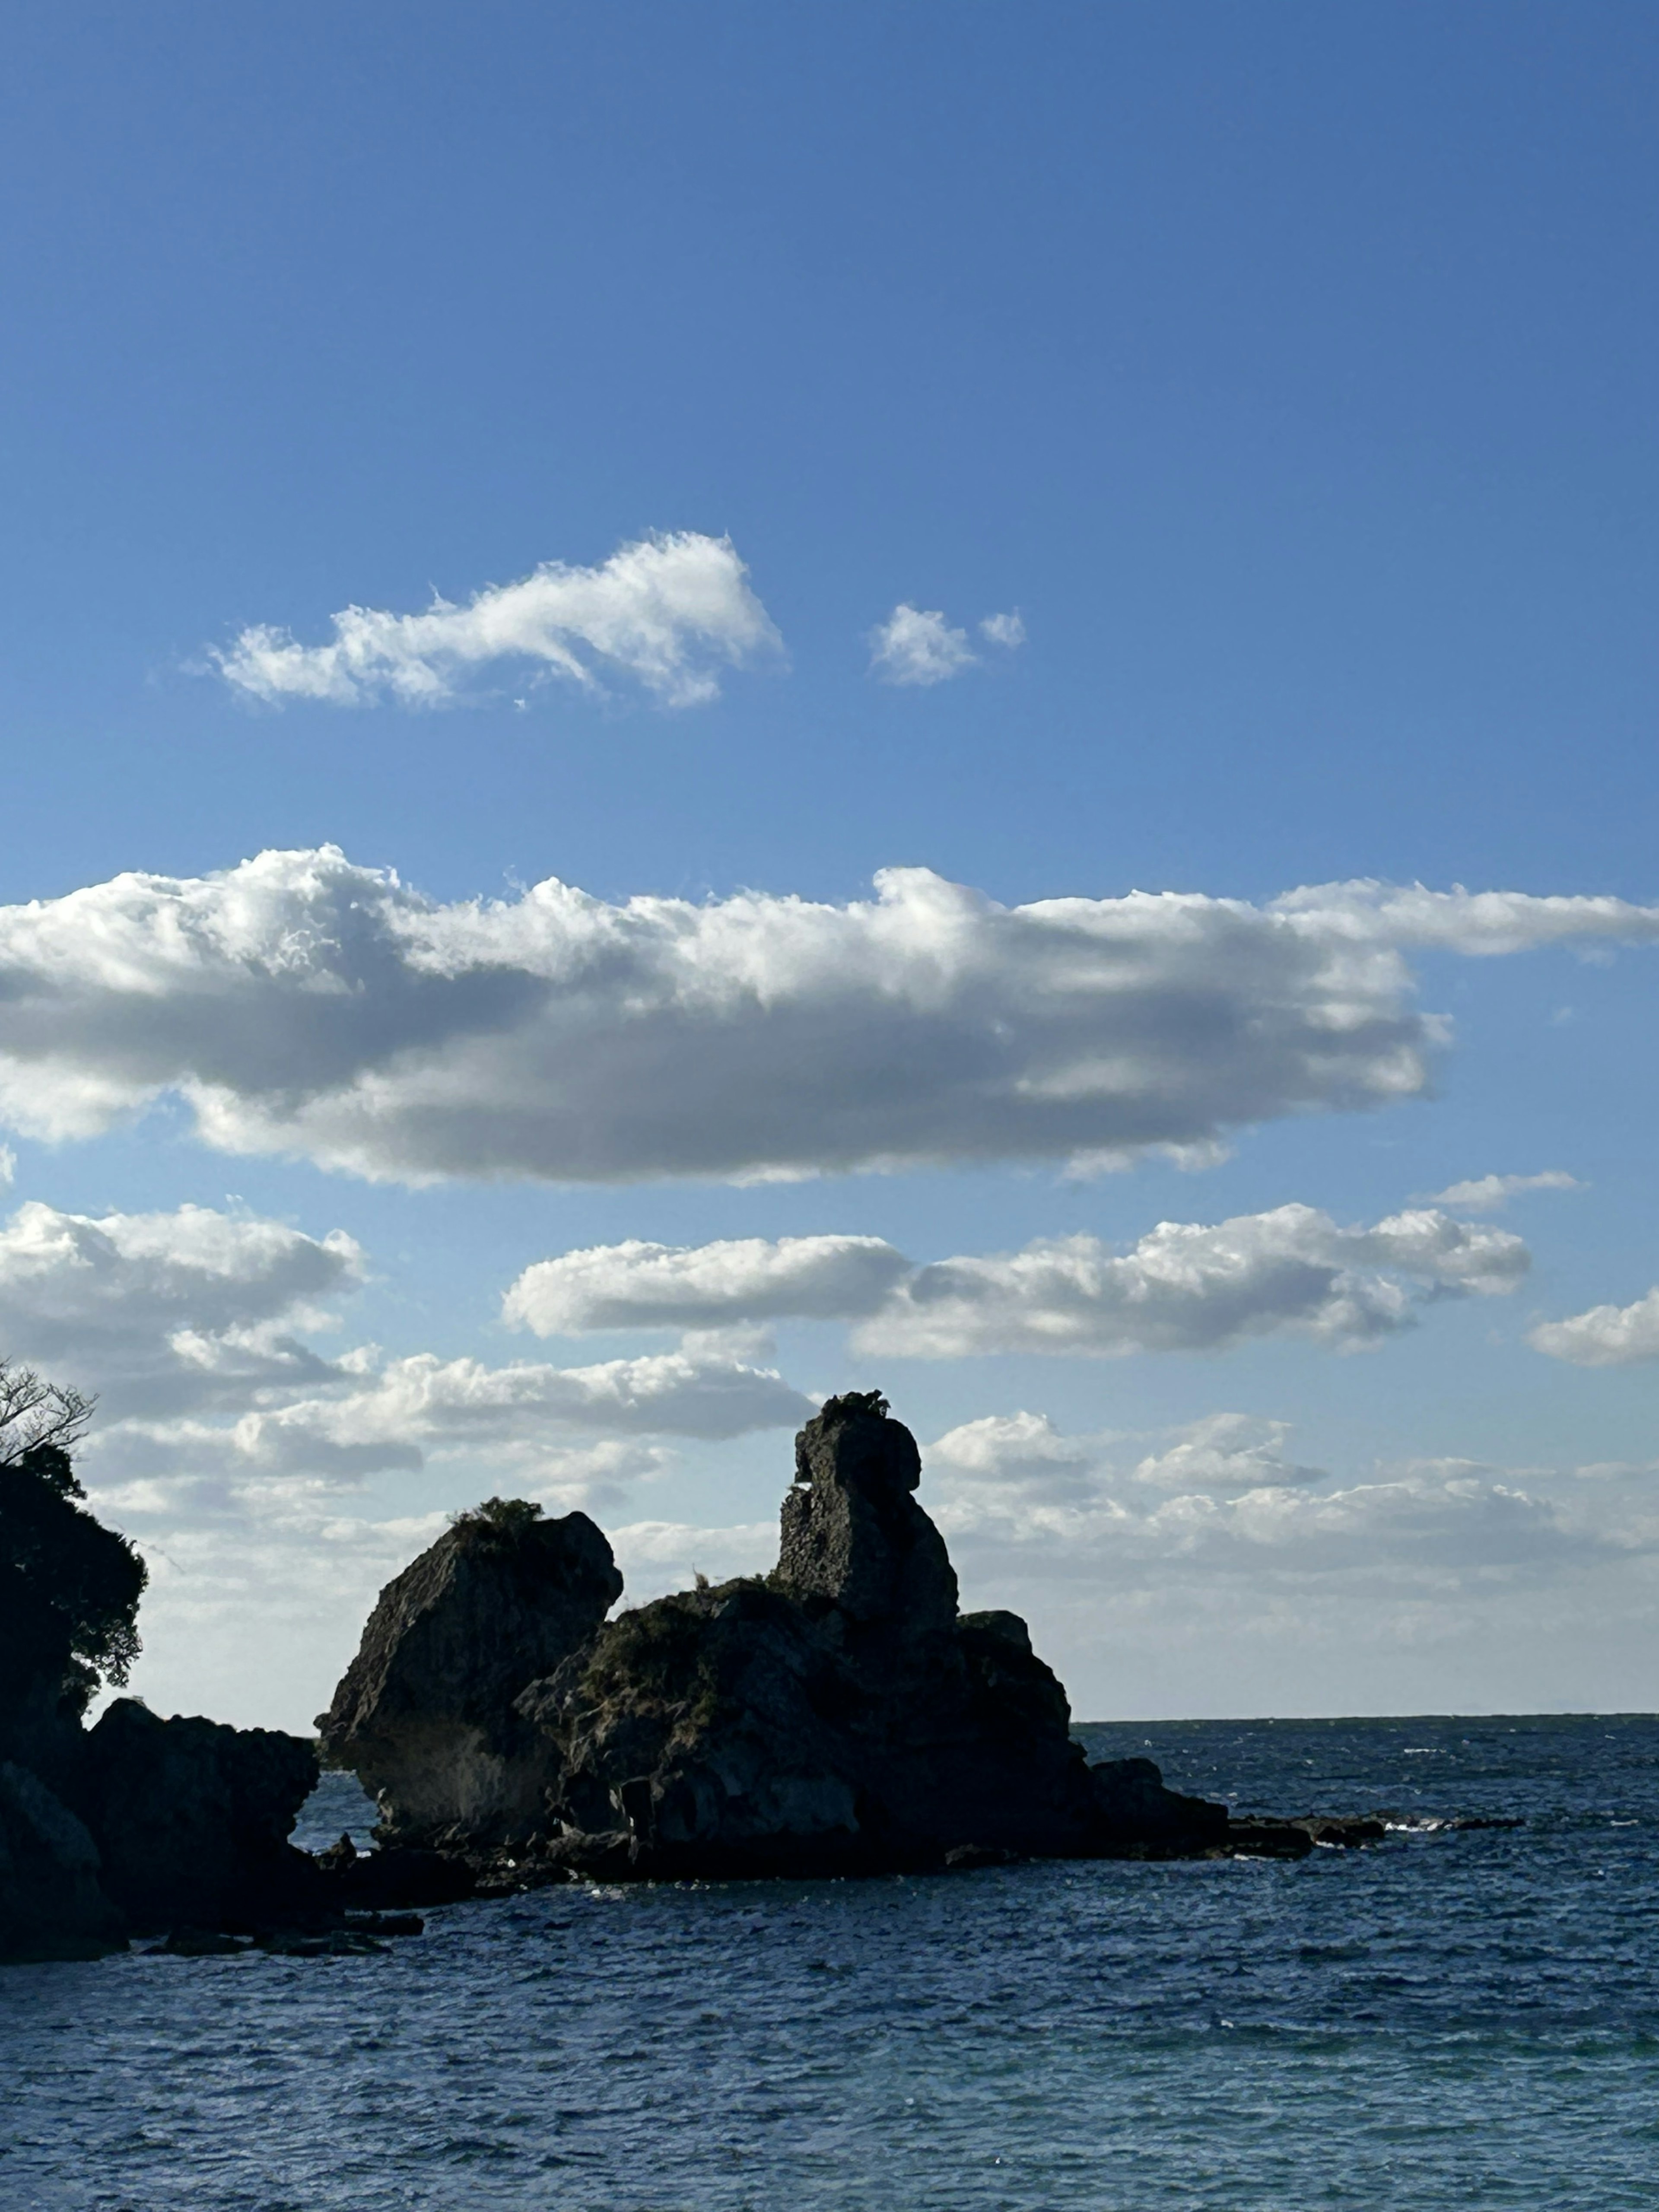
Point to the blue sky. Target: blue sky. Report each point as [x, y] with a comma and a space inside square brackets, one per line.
[1286, 373]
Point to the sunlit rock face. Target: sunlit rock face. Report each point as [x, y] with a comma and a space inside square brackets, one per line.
[425, 1712]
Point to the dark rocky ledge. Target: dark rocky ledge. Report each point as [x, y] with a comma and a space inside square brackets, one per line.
[838, 1716]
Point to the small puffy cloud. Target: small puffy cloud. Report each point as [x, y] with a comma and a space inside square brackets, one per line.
[916, 647]
[301, 1005]
[638, 1286]
[669, 611]
[1487, 1193]
[1190, 1287]
[1605, 1336]
[1225, 1453]
[1020, 1457]
[1006, 630]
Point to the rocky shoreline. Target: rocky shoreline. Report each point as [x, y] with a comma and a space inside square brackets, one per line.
[838, 1717]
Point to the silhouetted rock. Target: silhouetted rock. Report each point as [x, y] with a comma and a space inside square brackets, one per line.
[837, 1715]
[191, 1819]
[52, 1905]
[425, 1712]
[853, 1534]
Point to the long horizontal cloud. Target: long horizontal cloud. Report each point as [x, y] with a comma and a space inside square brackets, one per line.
[667, 611]
[304, 1006]
[1084, 1509]
[1487, 1193]
[637, 1285]
[1190, 1287]
[1185, 1286]
[396, 1413]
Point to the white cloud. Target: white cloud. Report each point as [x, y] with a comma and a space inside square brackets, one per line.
[659, 1557]
[379, 1414]
[189, 1328]
[1487, 1194]
[164, 1312]
[637, 1285]
[1605, 1336]
[667, 610]
[1189, 1287]
[1007, 630]
[299, 1004]
[1185, 1286]
[1226, 1452]
[1016, 1497]
[916, 647]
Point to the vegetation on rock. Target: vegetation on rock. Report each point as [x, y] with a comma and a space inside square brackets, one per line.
[68, 1587]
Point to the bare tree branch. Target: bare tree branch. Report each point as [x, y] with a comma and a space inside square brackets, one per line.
[35, 1412]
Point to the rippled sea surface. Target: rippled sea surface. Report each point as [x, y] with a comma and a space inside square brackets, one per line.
[1450, 2019]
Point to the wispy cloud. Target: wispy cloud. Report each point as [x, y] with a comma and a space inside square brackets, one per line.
[1006, 630]
[668, 612]
[1487, 1194]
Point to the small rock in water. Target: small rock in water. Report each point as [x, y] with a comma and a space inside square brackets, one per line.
[197, 1943]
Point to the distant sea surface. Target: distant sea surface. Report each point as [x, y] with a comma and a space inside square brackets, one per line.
[1452, 2018]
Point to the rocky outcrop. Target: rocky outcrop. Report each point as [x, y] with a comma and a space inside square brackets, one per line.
[51, 1904]
[140, 1821]
[840, 1714]
[837, 1715]
[191, 1819]
[426, 1712]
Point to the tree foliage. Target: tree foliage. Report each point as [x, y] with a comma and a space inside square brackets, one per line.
[68, 1587]
[505, 1520]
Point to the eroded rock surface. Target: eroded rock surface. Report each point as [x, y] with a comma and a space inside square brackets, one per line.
[425, 1713]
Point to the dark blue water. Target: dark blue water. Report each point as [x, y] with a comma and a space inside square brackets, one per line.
[1451, 2019]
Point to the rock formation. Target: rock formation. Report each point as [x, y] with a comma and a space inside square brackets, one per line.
[192, 1819]
[125, 1828]
[51, 1903]
[426, 1714]
[837, 1715]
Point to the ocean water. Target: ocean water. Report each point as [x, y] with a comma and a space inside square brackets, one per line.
[1452, 2018]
